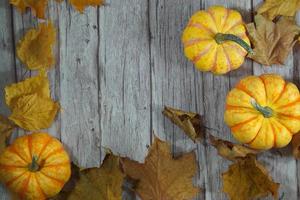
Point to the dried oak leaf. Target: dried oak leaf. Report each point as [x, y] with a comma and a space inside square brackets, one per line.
[104, 183]
[35, 49]
[35, 85]
[32, 112]
[296, 145]
[247, 179]
[161, 177]
[81, 4]
[38, 7]
[272, 41]
[230, 150]
[274, 8]
[6, 129]
[190, 123]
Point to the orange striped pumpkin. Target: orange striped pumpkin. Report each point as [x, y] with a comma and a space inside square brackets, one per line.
[263, 111]
[215, 40]
[35, 166]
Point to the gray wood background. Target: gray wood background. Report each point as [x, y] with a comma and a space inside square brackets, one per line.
[118, 65]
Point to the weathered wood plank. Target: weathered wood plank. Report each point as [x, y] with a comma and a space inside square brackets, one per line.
[7, 63]
[280, 162]
[78, 76]
[124, 73]
[175, 82]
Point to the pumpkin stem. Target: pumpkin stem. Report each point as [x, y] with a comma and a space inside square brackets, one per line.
[266, 111]
[222, 37]
[34, 166]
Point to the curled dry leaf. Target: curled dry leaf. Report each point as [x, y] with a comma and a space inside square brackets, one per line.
[230, 150]
[161, 177]
[274, 8]
[30, 103]
[272, 41]
[296, 145]
[6, 129]
[35, 49]
[32, 112]
[190, 123]
[247, 179]
[38, 7]
[35, 85]
[81, 4]
[104, 183]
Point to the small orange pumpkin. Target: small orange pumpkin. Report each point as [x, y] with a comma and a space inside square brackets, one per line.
[35, 166]
[263, 111]
[215, 40]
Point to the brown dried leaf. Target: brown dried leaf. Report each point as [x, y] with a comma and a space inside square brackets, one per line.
[296, 145]
[6, 129]
[38, 7]
[35, 49]
[81, 4]
[190, 123]
[32, 112]
[272, 41]
[274, 8]
[161, 177]
[247, 179]
[230, 150]
[104, 183]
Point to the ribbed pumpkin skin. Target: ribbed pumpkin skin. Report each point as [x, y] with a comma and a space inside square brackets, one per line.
[200, 46]
[54, 162]
[249, 126]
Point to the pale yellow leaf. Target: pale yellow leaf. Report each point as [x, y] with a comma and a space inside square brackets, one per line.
[80, 5]
[37, 6]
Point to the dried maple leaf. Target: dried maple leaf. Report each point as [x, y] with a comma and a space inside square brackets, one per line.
[6, 129]
[190, 123]
[38, 84]
[247, 179]
[230, 150]
[81, 4]
[296, 145]
[274, 8]
[272, 42]
[104, 183]
[161, 177]
[38, 7]
[32, 112]
[35, 49]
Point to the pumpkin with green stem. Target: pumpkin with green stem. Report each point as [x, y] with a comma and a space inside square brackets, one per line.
[35, 166]
[215, 40]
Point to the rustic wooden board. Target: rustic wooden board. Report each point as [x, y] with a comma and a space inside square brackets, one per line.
[118, 65]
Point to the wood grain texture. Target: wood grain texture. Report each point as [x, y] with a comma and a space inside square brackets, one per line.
[7, 64]
[78, 76]
[124, 73]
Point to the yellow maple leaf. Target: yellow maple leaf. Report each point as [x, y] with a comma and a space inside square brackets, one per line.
[104, 183]
[38, 84]
[272, 41]
[38, 7]
[190, 123]
[35, 49]
[247, 179]
[32, 112]
[161, 177]
[81, 4]
[6, 129]
[230, 150]
[274, 8]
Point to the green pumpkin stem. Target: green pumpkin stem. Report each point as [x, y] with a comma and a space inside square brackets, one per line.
[266, 111]
[222, 37]
[34, 166]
